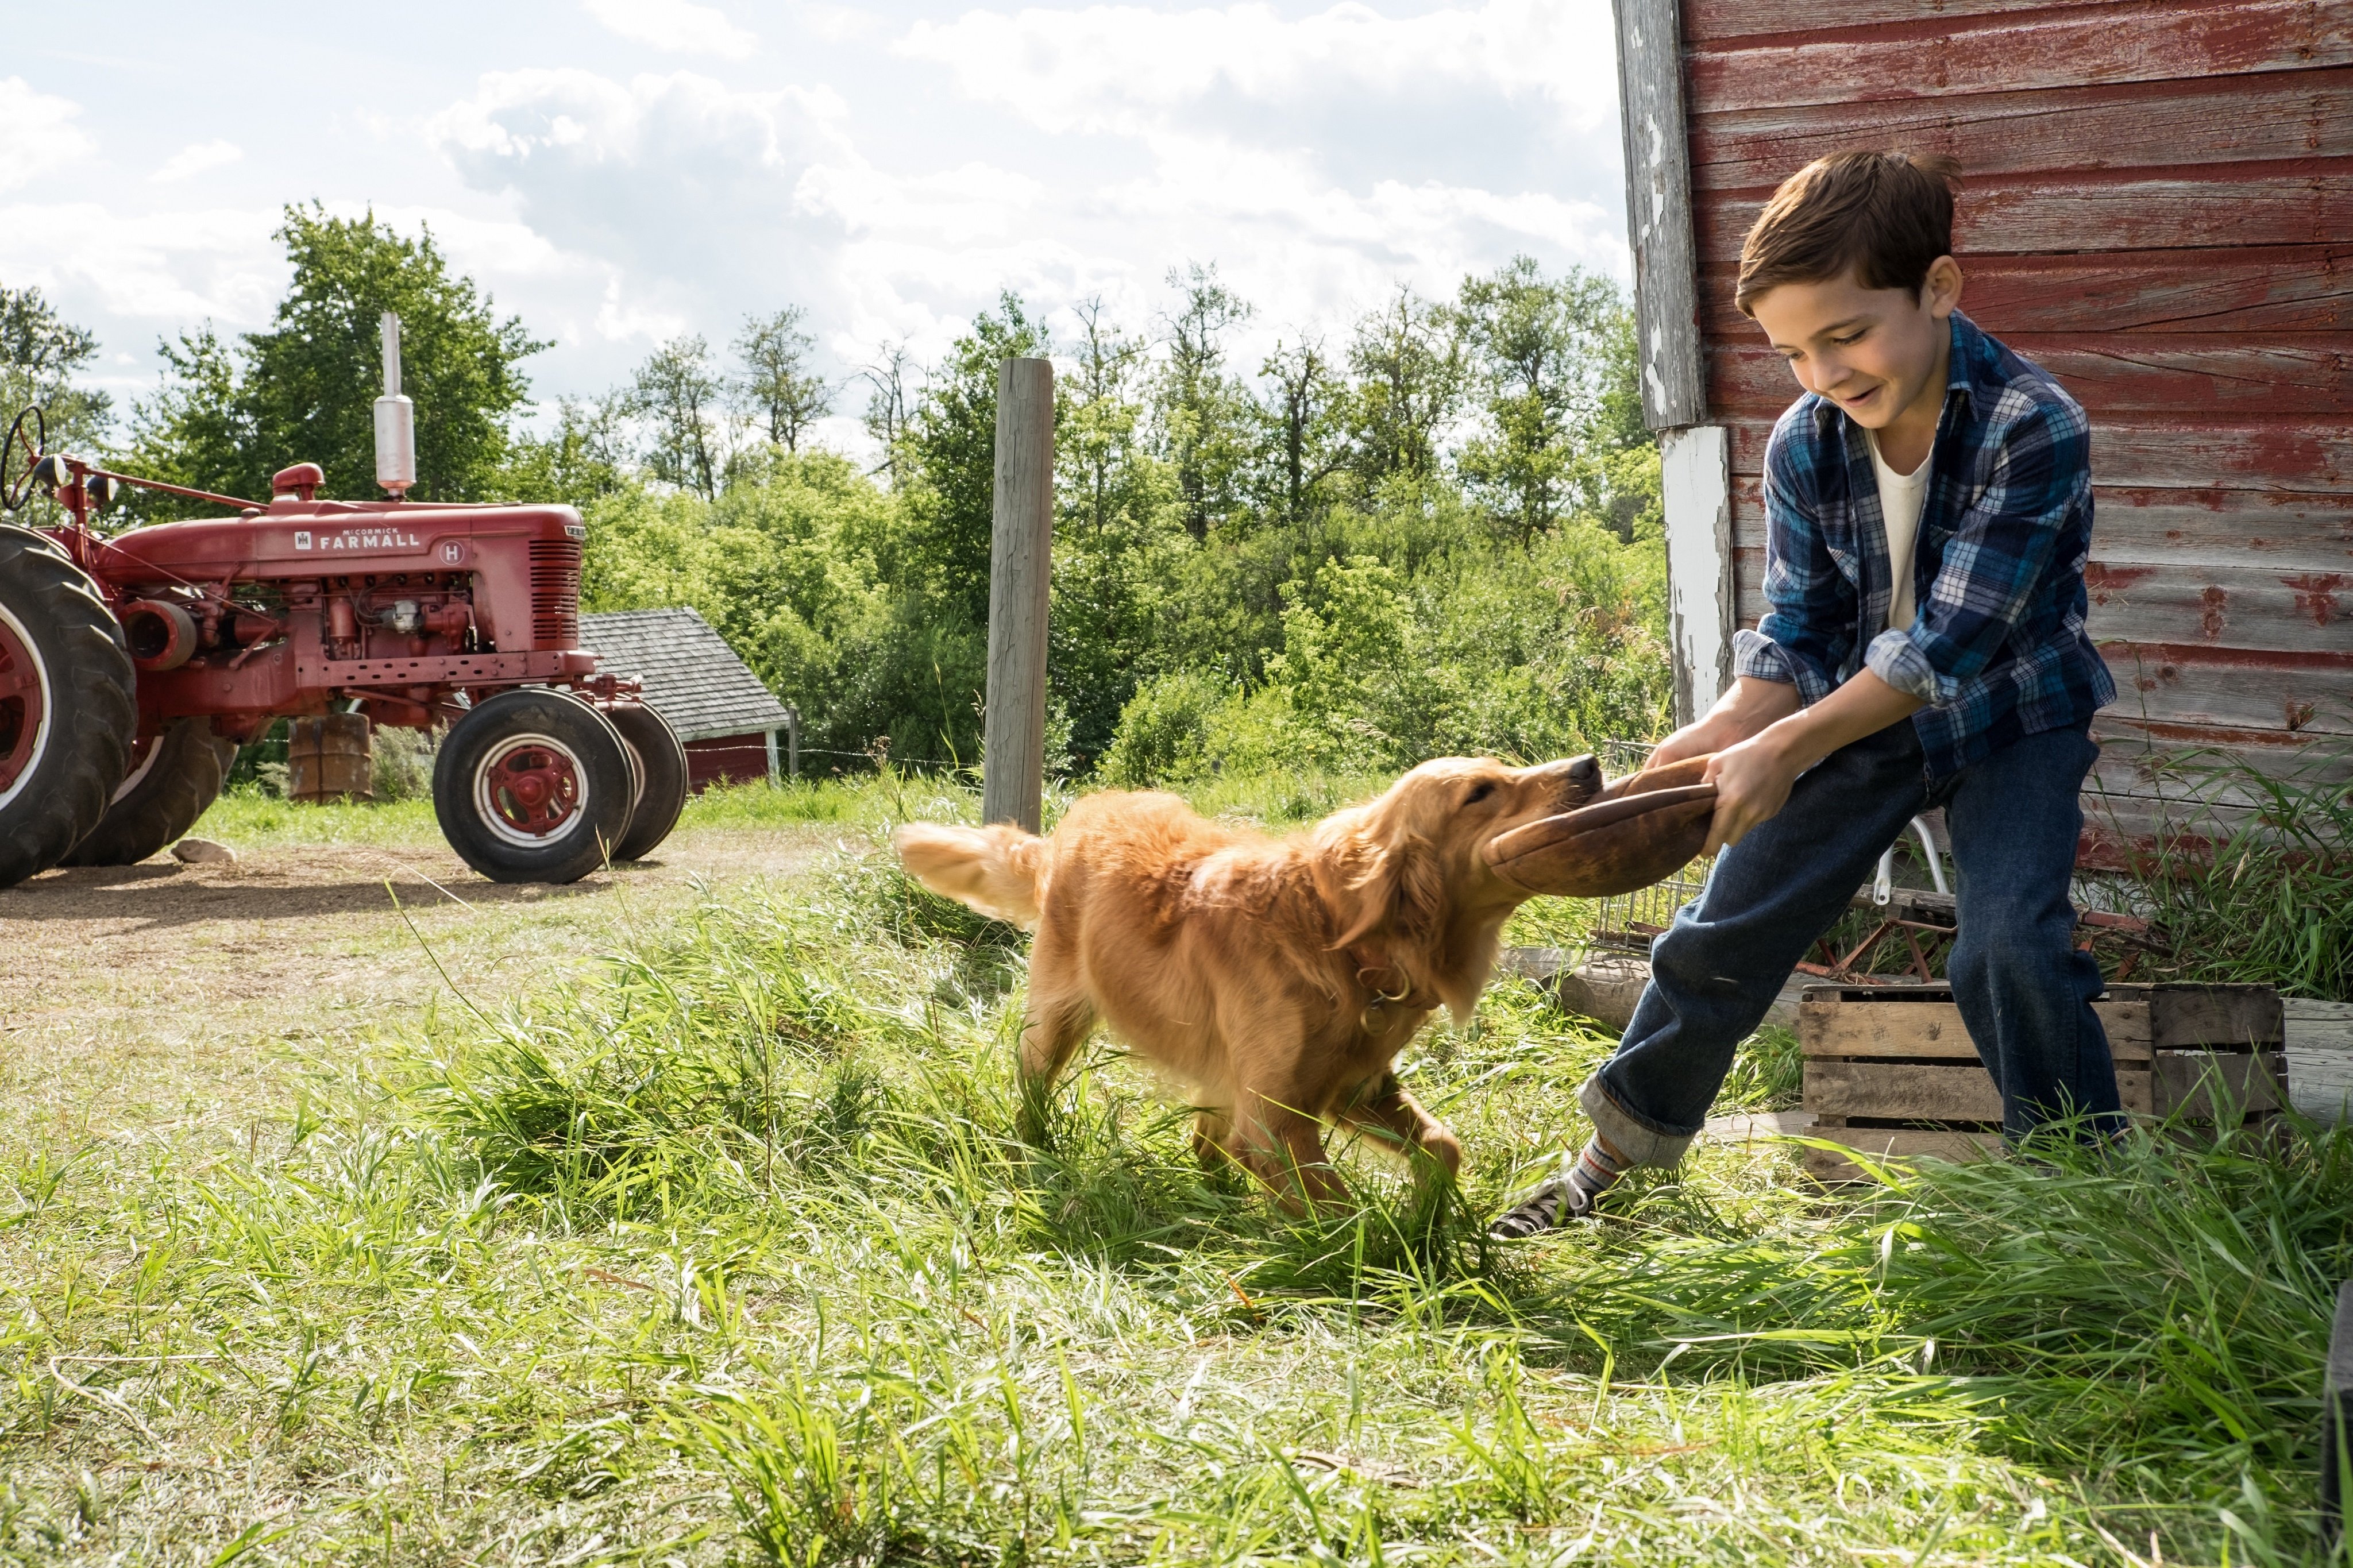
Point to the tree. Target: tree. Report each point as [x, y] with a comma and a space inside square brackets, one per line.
[40, 353]
[951, 445]
[1408, 360]
[1203, 413]
[777, 386]
[1540, 352]
[227, 417]
[1112, 498]
[1304, 440]
[886, 405]
[584, 459]
[1098, 436]
[675, 393]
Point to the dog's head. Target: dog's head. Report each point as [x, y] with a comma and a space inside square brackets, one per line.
[1410, 861]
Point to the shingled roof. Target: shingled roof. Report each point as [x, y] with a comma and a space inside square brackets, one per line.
[691, 677]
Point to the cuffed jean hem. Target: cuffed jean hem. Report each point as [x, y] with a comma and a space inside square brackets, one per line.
[1640, 1143]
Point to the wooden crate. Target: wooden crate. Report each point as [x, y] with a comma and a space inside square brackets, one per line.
[2321, 1058]
[1891, 1071]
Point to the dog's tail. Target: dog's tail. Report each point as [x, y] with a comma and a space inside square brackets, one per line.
[998, 870]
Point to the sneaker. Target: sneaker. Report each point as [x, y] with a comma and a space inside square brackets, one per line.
[1554, 1203]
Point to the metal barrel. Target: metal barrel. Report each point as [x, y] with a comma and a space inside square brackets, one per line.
[330, 757]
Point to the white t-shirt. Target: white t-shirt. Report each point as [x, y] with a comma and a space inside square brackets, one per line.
[1900, 497]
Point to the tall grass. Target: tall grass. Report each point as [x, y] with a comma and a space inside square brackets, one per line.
[2249, 876]
[732, 1254]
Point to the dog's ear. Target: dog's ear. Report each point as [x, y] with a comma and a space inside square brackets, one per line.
[1376, 873]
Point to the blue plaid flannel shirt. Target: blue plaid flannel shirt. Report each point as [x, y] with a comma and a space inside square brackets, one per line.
[1998, 650]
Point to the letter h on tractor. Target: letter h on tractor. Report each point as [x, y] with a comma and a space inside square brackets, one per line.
[132, 666]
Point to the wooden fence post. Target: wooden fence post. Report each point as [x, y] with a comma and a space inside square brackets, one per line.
[1020, 558]
[792, 743]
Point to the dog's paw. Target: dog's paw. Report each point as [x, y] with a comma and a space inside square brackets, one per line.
[1444, 1150]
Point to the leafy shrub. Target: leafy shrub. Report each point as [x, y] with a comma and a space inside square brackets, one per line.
[403, 762]
[1526, 654]
[1163, 729]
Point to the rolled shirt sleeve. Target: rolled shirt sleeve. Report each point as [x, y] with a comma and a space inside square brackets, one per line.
[1757, 656]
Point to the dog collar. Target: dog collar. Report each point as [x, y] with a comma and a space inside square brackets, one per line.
[1386, 985]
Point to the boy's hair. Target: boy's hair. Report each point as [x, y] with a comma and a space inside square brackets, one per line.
[1887, 215]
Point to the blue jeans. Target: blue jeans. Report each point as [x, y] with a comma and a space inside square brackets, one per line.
[2024, 990]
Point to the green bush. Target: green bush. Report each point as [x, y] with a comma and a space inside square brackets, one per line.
[1163, 731]
[1488, 649]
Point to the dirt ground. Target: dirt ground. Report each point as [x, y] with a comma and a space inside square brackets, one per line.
[136, 995]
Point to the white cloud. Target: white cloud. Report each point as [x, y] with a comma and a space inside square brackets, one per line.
[677, 26]
[703, 200]
[1124, 69]
[618, 320]
[574, 118]
[677, 184]
[196, 158]
[176, 267]
[890, 176]
[1318, 159]
[38, 135]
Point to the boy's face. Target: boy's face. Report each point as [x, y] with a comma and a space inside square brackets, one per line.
[1878, 354]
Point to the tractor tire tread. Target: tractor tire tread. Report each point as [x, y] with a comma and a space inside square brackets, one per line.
[663, 792]
[605, 810]
[182, 783]
[93, 696]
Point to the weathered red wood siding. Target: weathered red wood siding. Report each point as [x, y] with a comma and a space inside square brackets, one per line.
[724, 758]
[2158, 207]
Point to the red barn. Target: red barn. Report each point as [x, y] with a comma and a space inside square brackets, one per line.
[2157, 205]
[730, 723]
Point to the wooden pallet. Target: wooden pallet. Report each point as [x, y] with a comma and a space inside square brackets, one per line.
[1891, 1071]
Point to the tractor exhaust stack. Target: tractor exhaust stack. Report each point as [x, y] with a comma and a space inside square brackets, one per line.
[396, 421]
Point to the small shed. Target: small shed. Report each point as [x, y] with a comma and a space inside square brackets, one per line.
[2157, 205]
[728, 721]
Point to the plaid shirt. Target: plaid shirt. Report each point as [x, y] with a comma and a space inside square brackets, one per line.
[1998, 650]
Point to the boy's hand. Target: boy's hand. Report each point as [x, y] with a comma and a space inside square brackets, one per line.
[1753, 776]
[1752, 780]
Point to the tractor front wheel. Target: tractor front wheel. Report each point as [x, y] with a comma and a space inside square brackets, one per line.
[67, 711]
[658, 767]
[531, 786]
[174, 777]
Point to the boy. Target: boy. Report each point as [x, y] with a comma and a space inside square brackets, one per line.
[1928, 507]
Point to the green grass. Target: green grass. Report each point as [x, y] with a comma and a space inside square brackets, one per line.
[2262, 892]
[732, 1254]
[247, 814]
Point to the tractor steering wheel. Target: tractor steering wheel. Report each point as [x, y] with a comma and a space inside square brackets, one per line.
[18, 455]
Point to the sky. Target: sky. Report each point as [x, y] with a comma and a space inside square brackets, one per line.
[619, 171]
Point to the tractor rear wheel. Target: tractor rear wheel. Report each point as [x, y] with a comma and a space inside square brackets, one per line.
[657, 768]
[533, 786]
[174, 777]
[67, 711]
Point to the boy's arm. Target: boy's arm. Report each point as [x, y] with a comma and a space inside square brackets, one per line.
[1745, 711]
[1785, 662]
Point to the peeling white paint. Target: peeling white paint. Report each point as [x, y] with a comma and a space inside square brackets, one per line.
[1696, 474]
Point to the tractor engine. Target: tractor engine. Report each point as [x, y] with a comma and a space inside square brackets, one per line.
[393, 603]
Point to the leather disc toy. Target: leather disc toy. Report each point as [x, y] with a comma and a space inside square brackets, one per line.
[1644, 828]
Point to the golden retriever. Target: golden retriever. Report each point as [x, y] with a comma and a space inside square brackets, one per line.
[1278, 978]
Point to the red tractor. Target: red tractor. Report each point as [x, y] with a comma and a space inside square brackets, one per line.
[132, 667]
